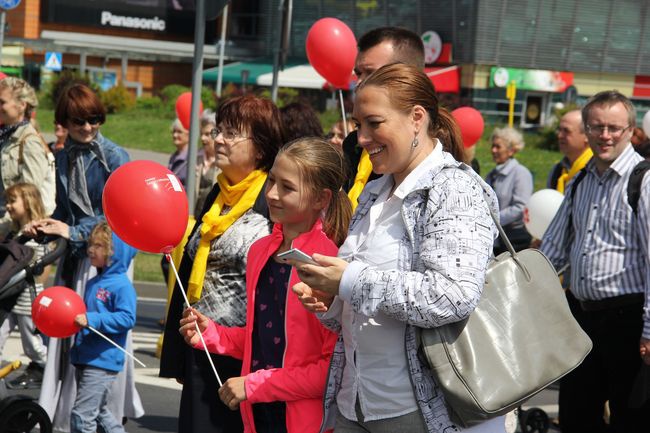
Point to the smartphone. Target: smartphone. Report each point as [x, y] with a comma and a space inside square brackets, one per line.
[296, 254]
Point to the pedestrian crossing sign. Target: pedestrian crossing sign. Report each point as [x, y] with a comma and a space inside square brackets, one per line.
[53, 61]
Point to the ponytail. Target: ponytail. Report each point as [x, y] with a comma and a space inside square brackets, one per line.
[447, 131]
[337, 218]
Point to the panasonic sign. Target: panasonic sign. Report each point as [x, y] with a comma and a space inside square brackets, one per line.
[155, 23]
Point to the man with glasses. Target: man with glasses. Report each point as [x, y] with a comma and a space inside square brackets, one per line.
[606, 245]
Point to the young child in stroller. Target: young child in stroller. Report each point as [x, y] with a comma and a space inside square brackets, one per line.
[24, 204]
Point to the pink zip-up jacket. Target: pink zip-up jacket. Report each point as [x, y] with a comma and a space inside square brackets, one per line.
[301, 380]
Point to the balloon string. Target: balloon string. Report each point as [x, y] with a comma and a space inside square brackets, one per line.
[116, 345]
[196, 325]
[345, 121]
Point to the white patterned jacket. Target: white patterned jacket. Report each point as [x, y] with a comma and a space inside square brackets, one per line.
[442, 264]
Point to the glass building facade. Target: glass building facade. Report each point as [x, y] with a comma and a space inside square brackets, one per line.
[605, 43]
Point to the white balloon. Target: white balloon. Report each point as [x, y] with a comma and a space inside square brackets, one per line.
[540, 211]
[646, 123]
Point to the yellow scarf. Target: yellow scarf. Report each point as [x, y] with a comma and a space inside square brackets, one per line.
[577, 165]
[239, 198]
[363, 173]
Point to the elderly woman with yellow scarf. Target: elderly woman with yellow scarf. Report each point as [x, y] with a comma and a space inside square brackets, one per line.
[247, 135]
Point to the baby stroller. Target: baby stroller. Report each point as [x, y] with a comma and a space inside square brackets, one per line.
[19, 413]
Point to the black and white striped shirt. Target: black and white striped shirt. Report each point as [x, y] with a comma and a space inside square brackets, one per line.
[606, 245]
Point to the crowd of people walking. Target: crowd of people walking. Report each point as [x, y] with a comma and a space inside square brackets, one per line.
[400, 237]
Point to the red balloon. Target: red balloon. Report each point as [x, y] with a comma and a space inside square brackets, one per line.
[55, 309]
[471, 124]
[146, 206]
[332, 50]
[184, 108]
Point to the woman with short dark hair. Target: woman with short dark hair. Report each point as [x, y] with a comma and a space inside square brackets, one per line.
[83, 167]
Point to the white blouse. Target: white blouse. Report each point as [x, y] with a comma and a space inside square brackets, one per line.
[376, 369]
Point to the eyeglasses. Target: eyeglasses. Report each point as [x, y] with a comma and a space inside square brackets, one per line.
[91, 120]
[614, 131]
[229, 135]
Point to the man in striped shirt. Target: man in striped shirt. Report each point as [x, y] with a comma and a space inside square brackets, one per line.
[606, 245]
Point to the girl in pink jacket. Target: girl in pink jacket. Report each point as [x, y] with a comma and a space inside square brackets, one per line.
[284, 348]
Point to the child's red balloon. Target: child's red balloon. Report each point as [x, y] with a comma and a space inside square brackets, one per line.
[146, 206]
[184, 108]
[55, 309]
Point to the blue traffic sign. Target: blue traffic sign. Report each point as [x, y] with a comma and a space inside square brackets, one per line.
[53, 61]
[9, 4]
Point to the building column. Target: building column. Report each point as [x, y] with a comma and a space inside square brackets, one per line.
[125, 66]
[82, 63]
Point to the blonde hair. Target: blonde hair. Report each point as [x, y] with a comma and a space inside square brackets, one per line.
[408, 86]
[22, 92]
[103, 235]
[32, 201]
[322, 167]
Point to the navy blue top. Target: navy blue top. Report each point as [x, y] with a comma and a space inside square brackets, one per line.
[269, 339]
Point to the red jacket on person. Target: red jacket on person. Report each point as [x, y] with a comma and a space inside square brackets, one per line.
[301, 380]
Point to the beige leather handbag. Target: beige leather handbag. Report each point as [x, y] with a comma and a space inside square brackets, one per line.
[520, 339]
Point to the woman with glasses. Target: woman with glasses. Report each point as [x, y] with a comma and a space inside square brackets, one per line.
[82, 168]
[23, 154]
[513, 184]
[247, 135]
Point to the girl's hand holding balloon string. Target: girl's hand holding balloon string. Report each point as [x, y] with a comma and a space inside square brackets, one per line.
[188, 323]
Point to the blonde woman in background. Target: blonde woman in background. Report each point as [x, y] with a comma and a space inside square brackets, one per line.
[24, 156]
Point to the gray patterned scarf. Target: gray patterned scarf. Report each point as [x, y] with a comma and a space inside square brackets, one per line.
[77, 185]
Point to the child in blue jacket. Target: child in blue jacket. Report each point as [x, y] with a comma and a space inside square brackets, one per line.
[111, 307]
